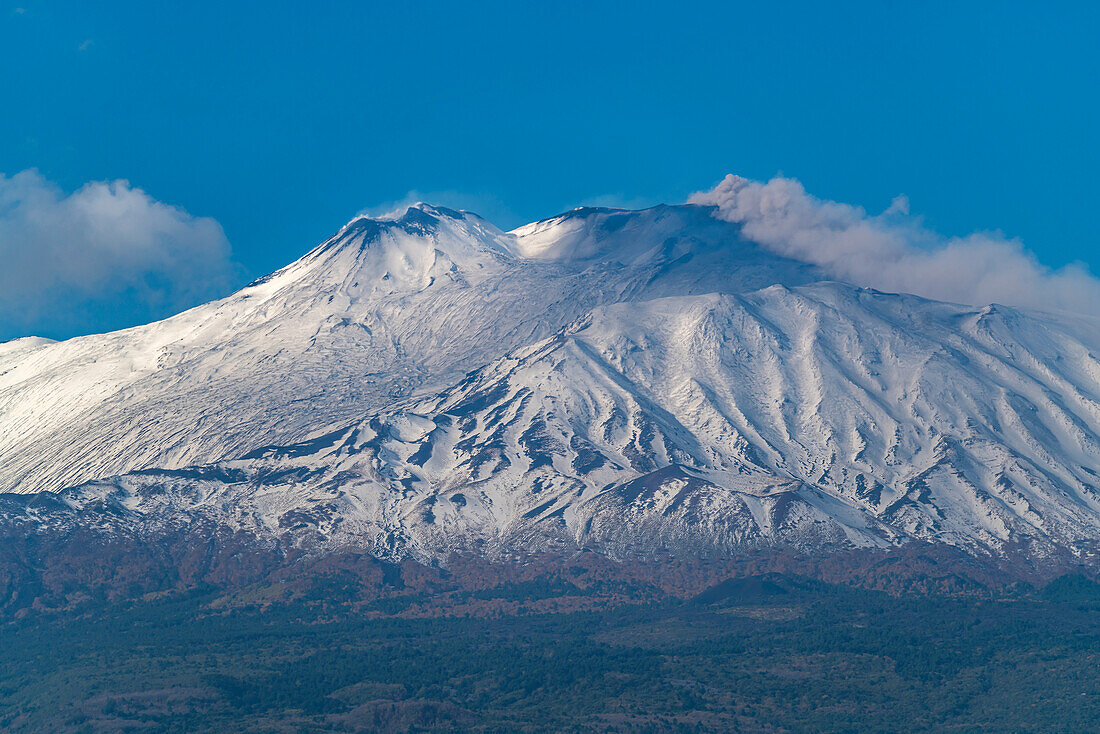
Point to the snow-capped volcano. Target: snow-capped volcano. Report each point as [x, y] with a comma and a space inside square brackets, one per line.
[614, 380]
[381, 310]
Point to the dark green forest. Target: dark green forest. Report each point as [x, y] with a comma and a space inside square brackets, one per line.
[767, 653]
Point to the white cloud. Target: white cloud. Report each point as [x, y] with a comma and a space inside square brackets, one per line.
[104, 256]
[894, 252]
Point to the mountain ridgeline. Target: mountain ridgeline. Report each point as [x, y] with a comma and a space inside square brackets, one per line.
[636, 384]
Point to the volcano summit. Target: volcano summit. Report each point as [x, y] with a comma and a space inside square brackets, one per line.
[630, 383]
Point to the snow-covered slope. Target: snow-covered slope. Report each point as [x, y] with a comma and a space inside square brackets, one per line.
[382, 310]
[622, 381]
[811, 417]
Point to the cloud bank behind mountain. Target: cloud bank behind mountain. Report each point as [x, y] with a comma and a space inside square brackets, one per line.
[894, 252]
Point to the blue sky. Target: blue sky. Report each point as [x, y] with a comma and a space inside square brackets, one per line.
[280, 121]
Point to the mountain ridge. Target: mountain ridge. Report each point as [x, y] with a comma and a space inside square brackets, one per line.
[630, 383]
[338, 332]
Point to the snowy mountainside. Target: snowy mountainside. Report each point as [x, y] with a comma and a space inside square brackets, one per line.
[384, 309]
[811, 417]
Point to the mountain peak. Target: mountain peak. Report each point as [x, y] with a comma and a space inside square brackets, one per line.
[393, 253]
[624, 235]
[419, 216]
